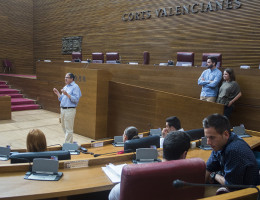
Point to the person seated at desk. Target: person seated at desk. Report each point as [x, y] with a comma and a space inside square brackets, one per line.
[232, 162]
[130, 133]
[175, 146]
[172, 124]
[36, 141]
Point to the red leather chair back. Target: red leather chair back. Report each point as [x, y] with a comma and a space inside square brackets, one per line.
[76, 56]
[185, 59]
[146, 58]
[97, 57]
[112, 57]
[205, 58]
[7, 65]
[155, 181]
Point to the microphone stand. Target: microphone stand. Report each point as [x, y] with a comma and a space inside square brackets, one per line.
[96, 155]
[179, 183]
[125, 151]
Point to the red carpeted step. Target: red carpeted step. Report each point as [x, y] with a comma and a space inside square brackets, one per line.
[21, 101]
[18, 103]
[3, 83]
[13, 95]
[4, 86]
[25, 107]
[9, 91]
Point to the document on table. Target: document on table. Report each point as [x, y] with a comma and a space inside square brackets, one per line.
[113, 172]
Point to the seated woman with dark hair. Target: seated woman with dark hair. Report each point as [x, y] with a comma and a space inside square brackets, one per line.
[130, 133]
[36, 141]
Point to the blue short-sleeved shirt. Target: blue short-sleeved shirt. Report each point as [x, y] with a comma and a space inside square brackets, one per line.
[237, 161]
[210, 89]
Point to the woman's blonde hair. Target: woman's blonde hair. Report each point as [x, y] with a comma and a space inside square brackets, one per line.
[36, 141]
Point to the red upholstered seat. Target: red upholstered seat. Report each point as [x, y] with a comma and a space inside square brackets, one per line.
[112, 57]
[146, 58]
[7, 65]
[185, 59]
[76, 56]
[97, 57]
[155, 180]
[205, 58]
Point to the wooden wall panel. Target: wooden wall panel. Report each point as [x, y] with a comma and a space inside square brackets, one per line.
[33, 30]
[92, 110]
[232, 32]
[16, 43]
[178, 80]
[146, 108]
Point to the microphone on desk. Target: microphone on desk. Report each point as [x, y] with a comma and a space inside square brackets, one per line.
[54, 145]
[96, 155]
[125, 151]
[179, 184]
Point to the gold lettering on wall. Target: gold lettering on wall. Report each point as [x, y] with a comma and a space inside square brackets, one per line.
[211, 6]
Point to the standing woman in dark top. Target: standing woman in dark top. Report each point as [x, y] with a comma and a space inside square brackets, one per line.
[229, 91]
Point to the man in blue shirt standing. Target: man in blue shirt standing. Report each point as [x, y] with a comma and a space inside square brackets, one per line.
[68, 102]
[232, 162]
[209, 80]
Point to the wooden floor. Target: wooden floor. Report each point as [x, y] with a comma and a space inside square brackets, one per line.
[13, 132]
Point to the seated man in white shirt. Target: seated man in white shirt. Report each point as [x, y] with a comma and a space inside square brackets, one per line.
[172, 124]
[175, 146]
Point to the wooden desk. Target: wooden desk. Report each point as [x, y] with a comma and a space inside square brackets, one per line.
[107, 148]
[253, 142]
[245, 194]
[83, 180]
[76, 181]
[73, 182]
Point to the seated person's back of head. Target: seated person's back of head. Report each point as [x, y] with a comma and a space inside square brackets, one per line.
[176, 145]
[130, 133]
[36, 141]
[172, 124]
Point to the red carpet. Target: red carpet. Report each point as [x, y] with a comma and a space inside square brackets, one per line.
[8, 91]
[17, 101]
[19, 75]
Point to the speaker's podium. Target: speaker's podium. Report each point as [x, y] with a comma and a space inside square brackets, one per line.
[92, 110]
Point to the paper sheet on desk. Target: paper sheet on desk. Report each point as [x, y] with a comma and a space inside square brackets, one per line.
[113, 172]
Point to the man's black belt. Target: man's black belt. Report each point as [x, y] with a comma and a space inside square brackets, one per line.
[67, 107]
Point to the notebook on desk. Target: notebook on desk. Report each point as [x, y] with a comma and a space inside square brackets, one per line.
[118, 141]
[240, 131]
[44, 170]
